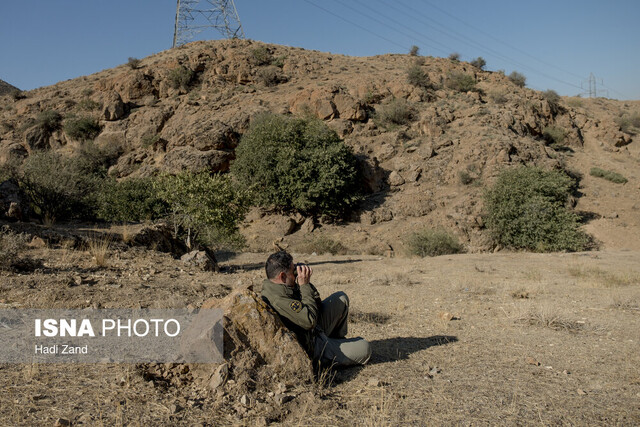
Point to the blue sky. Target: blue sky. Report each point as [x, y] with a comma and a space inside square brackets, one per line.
[555, 44]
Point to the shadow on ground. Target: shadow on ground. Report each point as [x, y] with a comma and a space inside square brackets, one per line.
[392, 349]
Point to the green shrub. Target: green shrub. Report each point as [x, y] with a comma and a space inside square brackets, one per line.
[82, 128]
[455, 56]
[575, 102]
[525, 209]
[459, 81]
[396, 112]
[129, 200]
[60, 187]
[498, 97]
[133, 63]
[552, 98]
[261, 56]
[479, 63]
[608, 175]
[296, 164]
[201, 203]
[554, 135]
[89, 104]
[417, 77]
[269, 76]
[517, 79]
[433, 243]
[49, 120]
[414, 50]
[180, 77]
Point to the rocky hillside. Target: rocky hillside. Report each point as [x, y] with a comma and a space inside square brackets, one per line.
[6, 88]
[187, 108]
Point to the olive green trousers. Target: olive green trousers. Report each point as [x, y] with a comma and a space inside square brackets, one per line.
[331, 346]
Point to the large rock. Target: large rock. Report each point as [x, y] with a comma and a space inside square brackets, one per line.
[257, 346]
[113, 107]
[259, 352]
[159, 238]
[189, 158]
[204, 260]
[13, 203]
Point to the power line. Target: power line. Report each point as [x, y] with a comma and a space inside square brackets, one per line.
[394, 29]
[356, 25]
[415, 11]
[501, 41]
[192, 17]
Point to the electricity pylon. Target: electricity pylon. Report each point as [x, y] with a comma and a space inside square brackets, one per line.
[193, 16]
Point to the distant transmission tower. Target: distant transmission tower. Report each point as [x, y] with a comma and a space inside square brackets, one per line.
[592, 91]
[193, 16]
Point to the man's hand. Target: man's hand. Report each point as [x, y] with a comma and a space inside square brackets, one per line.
[304, 274]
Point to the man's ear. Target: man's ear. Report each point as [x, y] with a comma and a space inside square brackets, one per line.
[282, 277]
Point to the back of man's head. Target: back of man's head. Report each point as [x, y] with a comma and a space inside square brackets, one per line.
[277, 263]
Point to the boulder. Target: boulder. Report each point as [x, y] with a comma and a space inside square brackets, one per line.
[114, 108]
[259, 352]
[189, 158]
[257, 346]
[13, 202]
[159, 237]
[204, 260]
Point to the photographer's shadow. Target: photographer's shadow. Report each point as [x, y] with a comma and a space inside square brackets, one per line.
[399, 348]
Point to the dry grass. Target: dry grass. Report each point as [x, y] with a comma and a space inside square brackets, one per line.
[603, 278]
[548, 317]
[375, 318]
[99, 249]
[127, 233]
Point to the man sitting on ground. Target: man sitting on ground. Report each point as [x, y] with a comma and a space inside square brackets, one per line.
[320, 326]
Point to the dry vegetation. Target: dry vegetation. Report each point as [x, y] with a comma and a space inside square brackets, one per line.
[471, 338]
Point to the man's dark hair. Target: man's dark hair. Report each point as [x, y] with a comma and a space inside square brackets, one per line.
[277, 263]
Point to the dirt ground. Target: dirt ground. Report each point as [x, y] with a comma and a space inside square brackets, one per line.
[470, 339]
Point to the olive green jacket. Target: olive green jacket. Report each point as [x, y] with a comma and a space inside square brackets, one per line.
[298, 306]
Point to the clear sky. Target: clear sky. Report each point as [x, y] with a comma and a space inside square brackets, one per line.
[555, 44]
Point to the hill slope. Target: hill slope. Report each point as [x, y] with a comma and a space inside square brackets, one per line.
[6, 88]
[187, 108]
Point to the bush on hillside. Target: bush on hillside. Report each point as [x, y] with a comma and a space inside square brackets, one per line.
[460, 82]
[525, 209]
[295, 164]
[417, 77]
[82, 128]
[396, 112]
[554, 135]
[60, 187]
[608, 175]
[433, 243]
[518, 79]
[455, 56]
[479, 63]
[552, 98]
[49, 121]
[133, 63]
[130, 200]
[261, 56]
[180, 77]
[414, 50]
[629, 123]
[201, 204]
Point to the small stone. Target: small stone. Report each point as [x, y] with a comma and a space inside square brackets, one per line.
[245, 400]
[446, 316]
[219, 378]
[566, 372]
[435, 370]
[374, 382]
[281, 398]
[581, 392]
[175, 408]
[62, 422]
[37, 242]
[31, 410]
[532, 361]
